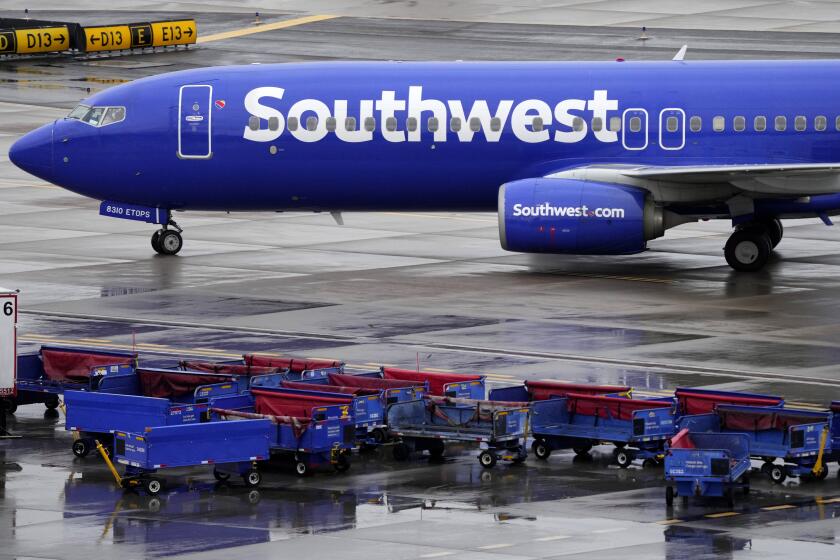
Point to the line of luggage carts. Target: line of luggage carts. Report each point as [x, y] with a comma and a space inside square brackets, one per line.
[313, 413]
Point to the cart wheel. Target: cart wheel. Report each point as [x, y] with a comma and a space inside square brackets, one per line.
[777, 474]
[252, 479]
[650, 463]
[437, 449]
[401, 452]
[9, 406]
[52, 403]
[220, 476]
[582, 450]
[379, 436]
[487, 459]
[81, 448]
[623, 459]
[342, 463]
[669, 496]
[153, 486]
[541, 449]
[823, 473]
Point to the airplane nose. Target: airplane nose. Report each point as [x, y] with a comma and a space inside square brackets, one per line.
[34, 152]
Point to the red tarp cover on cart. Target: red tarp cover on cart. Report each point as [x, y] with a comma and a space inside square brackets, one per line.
[682, 440]
[328, 388]
[544, 390]
[287, 404]
[169, 384]
[739, 419]
[346, 380]
[71, 365]
[691, 402]
[609, 407]
[295, 365]
[436, 380]
[231, 369]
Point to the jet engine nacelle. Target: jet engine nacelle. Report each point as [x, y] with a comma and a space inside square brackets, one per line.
[577, 217]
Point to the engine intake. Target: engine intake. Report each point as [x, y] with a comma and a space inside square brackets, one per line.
[577, 217]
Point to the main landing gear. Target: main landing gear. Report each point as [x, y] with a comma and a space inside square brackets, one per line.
[166, 241]
[748, 248]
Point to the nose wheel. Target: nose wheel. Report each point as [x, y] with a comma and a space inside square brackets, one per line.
[167, 241]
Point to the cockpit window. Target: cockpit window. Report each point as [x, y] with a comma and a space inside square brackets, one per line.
[97, 116]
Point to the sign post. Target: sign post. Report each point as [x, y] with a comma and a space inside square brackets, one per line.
[8, 350]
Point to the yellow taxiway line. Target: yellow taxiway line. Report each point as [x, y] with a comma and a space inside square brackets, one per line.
[262, 28]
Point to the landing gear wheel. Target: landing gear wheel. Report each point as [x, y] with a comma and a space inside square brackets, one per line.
[252, 479]
[748, 249]
[221, 476]
[487, 459]
[623, 459]
[342, 463]
[541, 450]
[156, 240]
[170, 242]
[777, 474]
[775, 231]
[582, 449]
[153, 486]
[437, 449]
[301, 468]
[401, 452]
[52, 403]
[82, 448]
[669, 496]
[8, 406]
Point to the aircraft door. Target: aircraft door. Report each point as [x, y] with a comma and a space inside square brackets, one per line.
[194, 126]
[634, 129]
[672, 129]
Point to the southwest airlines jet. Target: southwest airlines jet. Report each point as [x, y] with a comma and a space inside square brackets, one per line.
[590, 158]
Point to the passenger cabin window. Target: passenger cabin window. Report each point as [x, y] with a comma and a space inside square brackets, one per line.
[671, 124]
[820, 123]
[495, 124]
[350, 124]
[577, 124]
[455, 124]
[537, 124]
[597, 124]
[331, 124]
[292, 123]
[411, 124]
[370, 124]
[800, 123]
[433, 124]
[635, 124]
[391, 124]
[760, 123]
[781, 123]
[696, 124]
[718, 123]
[113, 115]
[475, 124]
[615, 124]
[837, 123]
[273, 123]
[311, 123]
[254, 123]
[739, 123]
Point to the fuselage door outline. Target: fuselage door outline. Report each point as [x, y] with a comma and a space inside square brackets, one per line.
[672, 140]
[634, 139]
[196, 121]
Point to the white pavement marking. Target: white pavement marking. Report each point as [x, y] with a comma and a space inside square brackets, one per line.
[495, 546]
[438, 554]
[553, 538]
[613, 530]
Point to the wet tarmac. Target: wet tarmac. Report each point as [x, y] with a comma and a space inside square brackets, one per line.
[406, 289]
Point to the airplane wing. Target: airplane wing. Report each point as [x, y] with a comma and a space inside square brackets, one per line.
[772, 179]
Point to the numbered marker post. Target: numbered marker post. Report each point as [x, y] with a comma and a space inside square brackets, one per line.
[8, 342]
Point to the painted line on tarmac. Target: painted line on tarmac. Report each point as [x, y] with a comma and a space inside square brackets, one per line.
[262, 28]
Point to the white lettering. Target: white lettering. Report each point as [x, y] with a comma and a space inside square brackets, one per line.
[481, 111]
[564, 117]
[599, 105]
[359, 134]
[547, 210]
[417, 106]
[257, 109]
[299, 110]
[522, 120]
[387, 106]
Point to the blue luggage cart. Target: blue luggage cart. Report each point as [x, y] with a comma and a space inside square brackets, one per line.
[42, 377]
[96, 416]
[231, 447]
[312, 431]
[707, 465]
[835, 430]
[427, 423]
[542, 390]
[637, 427]
[799, 437]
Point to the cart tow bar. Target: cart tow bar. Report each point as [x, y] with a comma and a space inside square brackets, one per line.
[818, 466]
[108, 462]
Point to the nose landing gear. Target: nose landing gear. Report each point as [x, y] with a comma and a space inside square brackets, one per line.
[166, 241]
[748, 248]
